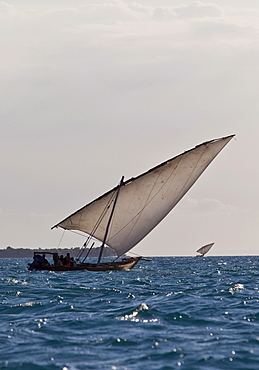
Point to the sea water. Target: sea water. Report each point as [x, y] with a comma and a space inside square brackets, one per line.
[168, 313]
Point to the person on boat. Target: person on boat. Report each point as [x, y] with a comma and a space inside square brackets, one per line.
[67, 259]
[73, 262]
[56, 260]
[38, 261]
[62, 260]
[45, 261]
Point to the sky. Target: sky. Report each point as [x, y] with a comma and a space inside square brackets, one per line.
[93, 90]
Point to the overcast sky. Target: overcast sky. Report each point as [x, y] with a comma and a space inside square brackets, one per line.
[93, 90]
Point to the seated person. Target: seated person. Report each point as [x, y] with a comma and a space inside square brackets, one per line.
[56, 260]
[62, 260]
[38, 262]
[45, 261]
[73, 262]
[67, 259]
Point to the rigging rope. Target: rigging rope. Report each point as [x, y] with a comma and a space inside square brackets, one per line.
[61, 237]
[91, 235]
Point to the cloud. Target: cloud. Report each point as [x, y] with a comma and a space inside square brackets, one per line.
[4, 213]
[33, 214]
[198, 10]
[61, 65]
[6, 9]
[203, 206]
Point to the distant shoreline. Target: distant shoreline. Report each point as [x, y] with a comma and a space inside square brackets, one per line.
[10, 252]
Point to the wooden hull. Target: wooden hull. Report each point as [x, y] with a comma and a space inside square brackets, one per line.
[124, 265]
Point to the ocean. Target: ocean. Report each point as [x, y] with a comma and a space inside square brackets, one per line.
[168, 313]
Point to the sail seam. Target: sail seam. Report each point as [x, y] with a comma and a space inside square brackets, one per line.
[149, 200]
[138, 215]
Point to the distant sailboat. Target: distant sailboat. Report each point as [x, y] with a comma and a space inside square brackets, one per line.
[204, 250]
[123, 216]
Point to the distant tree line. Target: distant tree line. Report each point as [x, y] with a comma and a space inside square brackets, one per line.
[10, 252]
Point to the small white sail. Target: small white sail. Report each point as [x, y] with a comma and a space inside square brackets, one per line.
[145, 200]
[203, 250]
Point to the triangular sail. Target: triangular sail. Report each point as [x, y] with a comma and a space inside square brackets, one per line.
[145, 200]
[203, 250]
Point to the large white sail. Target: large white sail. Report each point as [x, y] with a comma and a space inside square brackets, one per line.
[145, 200]
[203, 250]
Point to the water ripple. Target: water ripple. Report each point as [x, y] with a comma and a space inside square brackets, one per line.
[192, 313]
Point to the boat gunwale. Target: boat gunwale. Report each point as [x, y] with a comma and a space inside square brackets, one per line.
[124, 264]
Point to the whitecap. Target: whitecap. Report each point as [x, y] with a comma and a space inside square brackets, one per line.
[236, 288]
[134, 315]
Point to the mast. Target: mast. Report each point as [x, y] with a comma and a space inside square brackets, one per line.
[109, 221]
